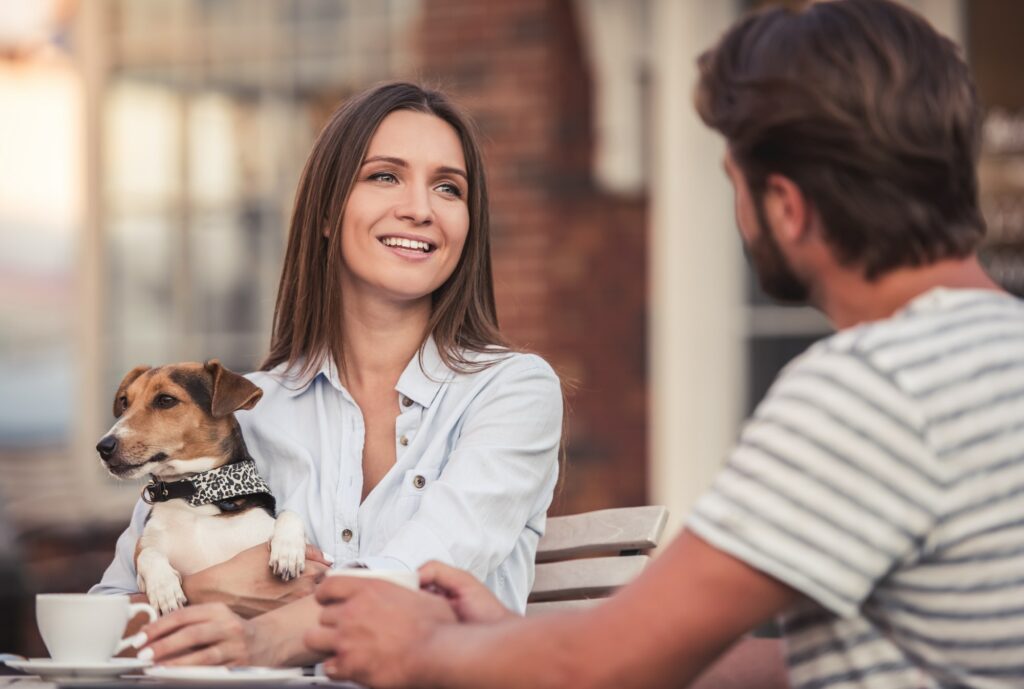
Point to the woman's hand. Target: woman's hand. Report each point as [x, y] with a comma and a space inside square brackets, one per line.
[246, 584]
[370, 628]
[209, 634]
[470, 599]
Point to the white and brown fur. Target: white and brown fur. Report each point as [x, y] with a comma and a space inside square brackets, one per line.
[173, 422]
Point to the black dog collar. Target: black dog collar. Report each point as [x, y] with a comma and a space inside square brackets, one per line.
[223, 483]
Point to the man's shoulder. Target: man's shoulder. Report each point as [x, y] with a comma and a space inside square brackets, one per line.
[937, 341]
[940, 311]
[924, 326]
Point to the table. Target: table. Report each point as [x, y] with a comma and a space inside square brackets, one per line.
[141, 682]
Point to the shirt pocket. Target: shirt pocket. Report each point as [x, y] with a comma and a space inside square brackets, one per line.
[415, 481]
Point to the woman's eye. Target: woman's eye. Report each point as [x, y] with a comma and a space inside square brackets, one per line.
[383, 177]
[450, 189]
[165, 401]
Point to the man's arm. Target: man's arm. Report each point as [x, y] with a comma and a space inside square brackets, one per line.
[690, 605]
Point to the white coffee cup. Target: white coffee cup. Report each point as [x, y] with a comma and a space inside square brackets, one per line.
[409, 580]
[84, 628]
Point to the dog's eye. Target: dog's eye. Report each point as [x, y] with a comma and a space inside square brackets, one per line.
[123, 401]
[165, 401]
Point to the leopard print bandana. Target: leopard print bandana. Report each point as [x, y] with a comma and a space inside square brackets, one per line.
[223, 483]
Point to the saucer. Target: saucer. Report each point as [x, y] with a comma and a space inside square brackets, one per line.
[50, 669]
[215, 674]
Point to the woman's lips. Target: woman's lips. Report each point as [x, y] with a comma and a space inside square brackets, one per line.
[407, 248]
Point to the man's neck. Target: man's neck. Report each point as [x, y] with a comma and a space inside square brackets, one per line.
[847, 299]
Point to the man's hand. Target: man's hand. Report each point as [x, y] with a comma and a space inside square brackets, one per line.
[246, 584]
[470, 599]
[200, 635]
[685, 609]
[370, 628]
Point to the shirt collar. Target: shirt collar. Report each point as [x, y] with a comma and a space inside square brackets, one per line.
[296, 385]
[421, 383]
[418, 383]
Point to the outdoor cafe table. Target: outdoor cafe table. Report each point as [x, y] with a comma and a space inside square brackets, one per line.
[142, 682]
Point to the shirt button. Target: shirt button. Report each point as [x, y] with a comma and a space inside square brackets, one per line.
[406, 402]
[418, 481]
[404, 440]
[346, 535]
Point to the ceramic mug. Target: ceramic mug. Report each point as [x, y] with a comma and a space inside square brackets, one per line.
[85, 628]
[409, 580]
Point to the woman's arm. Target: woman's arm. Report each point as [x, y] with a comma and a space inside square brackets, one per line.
[120, 578]
[245, 582]
[247, 585]
[211, 634]
[500, 473]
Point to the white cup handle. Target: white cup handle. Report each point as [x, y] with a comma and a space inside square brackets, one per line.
[137, 640]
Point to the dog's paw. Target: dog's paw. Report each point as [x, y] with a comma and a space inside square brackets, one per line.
[287, 556]
[164, 592]
[159, 581]
[288, 547]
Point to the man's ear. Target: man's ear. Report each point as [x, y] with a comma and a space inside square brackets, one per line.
[130, 378]
[786, 208]
[231, 391]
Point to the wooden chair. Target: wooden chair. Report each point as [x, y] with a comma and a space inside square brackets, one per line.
[585, 557]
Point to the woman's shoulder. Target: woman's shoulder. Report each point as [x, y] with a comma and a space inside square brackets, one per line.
[271, 379]
[281, 403]
[501, 364]
[282, 381]
[514, 383]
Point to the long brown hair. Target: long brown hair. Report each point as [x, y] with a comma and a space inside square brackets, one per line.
[308, 315]
[869, 110]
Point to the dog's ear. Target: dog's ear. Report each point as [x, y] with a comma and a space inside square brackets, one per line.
[231, 391]
[119, 405]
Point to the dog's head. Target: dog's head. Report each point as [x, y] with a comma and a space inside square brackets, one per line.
[176, 420]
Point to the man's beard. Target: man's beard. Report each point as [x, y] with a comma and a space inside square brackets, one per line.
[777, 279]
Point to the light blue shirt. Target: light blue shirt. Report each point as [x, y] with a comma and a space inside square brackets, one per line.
[477, 463]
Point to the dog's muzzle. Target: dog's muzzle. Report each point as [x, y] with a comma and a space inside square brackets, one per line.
[107, 447]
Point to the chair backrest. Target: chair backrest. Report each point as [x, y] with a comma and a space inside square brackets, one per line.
[585, 557]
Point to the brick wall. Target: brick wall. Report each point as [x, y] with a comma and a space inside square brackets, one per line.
[570, 261]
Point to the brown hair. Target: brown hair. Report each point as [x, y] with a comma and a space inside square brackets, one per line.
[869, 111]
[307, 316]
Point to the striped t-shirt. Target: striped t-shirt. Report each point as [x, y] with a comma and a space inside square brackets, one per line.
[883, 477]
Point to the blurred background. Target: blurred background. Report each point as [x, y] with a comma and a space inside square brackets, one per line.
[149, 151]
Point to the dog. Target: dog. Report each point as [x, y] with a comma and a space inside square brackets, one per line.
[176, 423]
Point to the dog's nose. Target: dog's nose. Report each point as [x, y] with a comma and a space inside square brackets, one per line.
[106, 447]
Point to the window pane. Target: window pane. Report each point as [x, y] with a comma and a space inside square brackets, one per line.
[142, 139]
[139, 304]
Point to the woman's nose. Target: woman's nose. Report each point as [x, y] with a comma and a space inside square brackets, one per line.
[415, 207]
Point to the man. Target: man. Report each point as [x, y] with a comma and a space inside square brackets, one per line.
[875, 501]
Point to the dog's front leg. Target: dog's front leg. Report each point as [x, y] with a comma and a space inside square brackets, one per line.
[288, 546]
[159, 581]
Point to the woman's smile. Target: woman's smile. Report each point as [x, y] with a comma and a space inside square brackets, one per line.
[407, 246]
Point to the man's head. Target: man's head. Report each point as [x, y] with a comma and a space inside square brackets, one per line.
[872, 117]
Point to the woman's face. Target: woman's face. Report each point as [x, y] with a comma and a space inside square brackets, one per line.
[407, 215]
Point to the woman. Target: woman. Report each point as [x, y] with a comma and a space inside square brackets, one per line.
[395, 420]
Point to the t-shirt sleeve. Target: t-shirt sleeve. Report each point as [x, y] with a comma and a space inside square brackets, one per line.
[831, 486]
